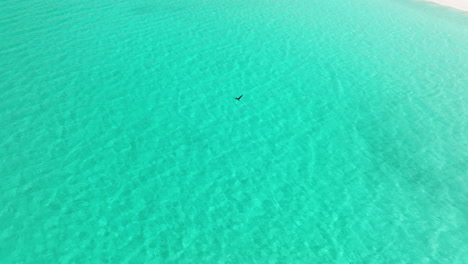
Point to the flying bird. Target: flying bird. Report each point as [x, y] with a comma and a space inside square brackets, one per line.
[238, 98]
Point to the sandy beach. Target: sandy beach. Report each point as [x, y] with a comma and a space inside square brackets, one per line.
[458, 4]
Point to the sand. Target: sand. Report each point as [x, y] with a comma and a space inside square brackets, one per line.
[458, 4]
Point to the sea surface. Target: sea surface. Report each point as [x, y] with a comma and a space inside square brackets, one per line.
[121, 141]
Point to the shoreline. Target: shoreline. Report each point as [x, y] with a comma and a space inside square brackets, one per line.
[457, 4]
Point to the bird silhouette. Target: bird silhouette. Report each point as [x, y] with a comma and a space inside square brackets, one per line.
[238, 98]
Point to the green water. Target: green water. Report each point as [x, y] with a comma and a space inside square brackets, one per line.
[121, 141]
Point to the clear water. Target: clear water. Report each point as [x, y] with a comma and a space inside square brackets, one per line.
[121, 141]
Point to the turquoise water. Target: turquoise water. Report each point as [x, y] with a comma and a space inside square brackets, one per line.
[121, 142]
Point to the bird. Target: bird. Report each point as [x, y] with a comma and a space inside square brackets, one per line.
[238, 98]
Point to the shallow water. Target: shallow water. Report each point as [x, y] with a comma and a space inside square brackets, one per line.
[121, 141]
